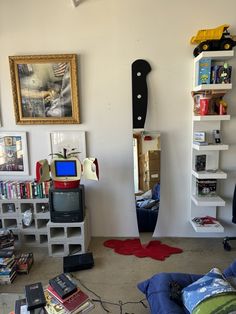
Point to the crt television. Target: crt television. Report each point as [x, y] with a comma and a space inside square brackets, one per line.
[67, 205]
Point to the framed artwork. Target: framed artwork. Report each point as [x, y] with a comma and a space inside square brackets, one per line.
[13, 153]
[45, 89]
[70, 140]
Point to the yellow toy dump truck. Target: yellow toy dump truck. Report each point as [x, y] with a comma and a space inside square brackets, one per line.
[217, 38]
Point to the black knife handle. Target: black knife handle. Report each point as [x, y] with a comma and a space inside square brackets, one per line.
[140, 70]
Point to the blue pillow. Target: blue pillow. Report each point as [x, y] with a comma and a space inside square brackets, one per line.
[212, 284]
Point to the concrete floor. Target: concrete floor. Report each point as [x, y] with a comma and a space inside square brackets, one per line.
[114, 277]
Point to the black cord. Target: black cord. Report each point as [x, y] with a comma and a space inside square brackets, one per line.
[102, 302]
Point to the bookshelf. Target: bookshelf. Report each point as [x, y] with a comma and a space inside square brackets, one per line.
[11, 216]
[62, 239]
[205, 182]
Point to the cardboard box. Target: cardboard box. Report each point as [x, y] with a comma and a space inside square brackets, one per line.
[147, 185]
[149, 161]
[153, 175]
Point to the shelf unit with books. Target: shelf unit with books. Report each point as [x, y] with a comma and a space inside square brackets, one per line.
[205, 173]
[11, 216]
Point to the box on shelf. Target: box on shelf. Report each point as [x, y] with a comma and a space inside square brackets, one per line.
[221, 74]
[200, 162]
[206, 187]
[204, 72]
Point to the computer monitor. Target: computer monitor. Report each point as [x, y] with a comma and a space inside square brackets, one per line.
[65, 169]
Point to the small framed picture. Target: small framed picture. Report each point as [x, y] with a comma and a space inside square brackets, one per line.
[13, 153]
[69, 140]
[199, 136]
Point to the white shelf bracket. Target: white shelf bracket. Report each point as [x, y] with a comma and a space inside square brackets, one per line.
[75, 2]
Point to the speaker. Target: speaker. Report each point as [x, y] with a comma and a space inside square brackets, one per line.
[42, 171]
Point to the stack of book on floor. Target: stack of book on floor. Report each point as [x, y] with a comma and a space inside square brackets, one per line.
[24, 262]
[7, 239]
[63, 294]
[7, 266]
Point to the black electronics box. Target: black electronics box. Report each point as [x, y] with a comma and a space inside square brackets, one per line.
[63, 285]
[35, 297]
[78, 262]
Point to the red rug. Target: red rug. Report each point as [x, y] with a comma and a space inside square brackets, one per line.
[154, 249]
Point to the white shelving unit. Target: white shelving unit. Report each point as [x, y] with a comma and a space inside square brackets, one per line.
[202, 206]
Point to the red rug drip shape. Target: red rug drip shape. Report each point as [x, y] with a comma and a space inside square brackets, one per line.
[154, 249]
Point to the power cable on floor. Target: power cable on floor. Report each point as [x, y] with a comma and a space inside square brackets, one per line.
[121, 304]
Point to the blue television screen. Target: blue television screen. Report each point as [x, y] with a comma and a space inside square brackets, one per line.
[65, 168]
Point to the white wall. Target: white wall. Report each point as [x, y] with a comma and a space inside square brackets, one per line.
[108, 35]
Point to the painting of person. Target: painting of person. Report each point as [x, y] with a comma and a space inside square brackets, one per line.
[45, 89]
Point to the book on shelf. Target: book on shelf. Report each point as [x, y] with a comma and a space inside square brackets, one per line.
[221, 73]
[200, 143]
[200, 162]
[204, 71]
[206, 222]
[24, 189]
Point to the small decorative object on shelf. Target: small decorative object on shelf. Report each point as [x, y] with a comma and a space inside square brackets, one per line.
[206, 224]
[216, 136]
[214, 39]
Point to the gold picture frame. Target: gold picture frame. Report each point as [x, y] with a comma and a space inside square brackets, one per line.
[45, 89]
